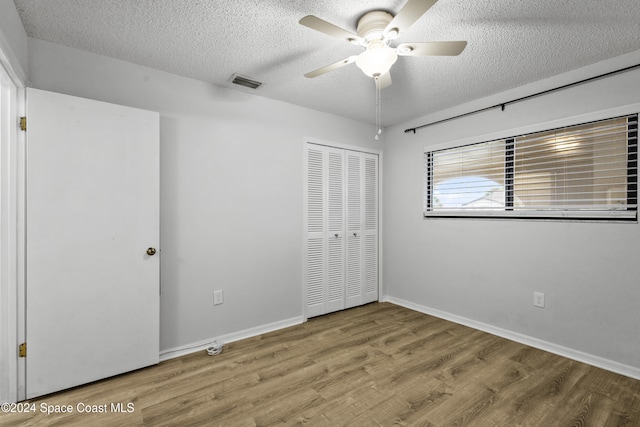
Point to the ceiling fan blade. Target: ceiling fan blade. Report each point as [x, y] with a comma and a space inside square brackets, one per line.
[452, 48]
[323, 26]
[409, 14]
[334, 66]
[383, 81]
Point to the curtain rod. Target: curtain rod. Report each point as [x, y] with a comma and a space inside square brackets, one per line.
[502, 105]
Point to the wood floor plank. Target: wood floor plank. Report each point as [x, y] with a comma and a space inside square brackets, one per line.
[375, 365]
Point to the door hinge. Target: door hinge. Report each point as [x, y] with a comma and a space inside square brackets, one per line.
[23, 123]
[22, 350]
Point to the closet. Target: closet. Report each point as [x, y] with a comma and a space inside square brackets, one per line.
[341, 203]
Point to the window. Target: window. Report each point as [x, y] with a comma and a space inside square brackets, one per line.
[583, 171]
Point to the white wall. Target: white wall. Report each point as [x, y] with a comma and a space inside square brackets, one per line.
[231, 188]
[485, 271]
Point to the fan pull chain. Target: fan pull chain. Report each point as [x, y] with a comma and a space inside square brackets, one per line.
[378, 110]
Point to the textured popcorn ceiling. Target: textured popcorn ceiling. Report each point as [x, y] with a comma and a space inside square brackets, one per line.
[510, 43]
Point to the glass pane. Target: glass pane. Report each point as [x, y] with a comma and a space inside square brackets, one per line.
[470, 177]
[581, 167]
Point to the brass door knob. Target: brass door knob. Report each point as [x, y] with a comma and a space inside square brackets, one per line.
[151, 251]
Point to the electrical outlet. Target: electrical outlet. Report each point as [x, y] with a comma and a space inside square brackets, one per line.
[218, 298]
[538, 299]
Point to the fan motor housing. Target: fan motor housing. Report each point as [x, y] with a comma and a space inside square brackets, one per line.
[372, 24]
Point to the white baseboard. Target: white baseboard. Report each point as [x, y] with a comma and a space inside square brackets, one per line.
[590, 359]
[234, 336]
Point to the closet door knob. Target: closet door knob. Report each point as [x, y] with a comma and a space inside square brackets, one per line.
[355, 234]
[151, 251]
[336, 235]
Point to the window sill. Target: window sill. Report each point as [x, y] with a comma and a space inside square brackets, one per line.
[604, 216]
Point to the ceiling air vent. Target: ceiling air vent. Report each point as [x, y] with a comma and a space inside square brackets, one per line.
[245, 81]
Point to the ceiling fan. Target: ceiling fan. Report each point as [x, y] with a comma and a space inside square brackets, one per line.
[376, 30]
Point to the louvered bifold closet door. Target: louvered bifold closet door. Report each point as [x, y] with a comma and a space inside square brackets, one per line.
[334, 236]
[342, 229]
[370, 215]
[325, 262]
[362, 229]
[355, 229]
[315, 262]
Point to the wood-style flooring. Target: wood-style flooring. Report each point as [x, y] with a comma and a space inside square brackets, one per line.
[376, 365]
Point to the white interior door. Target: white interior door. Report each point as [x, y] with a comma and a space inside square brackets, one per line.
[92, 298]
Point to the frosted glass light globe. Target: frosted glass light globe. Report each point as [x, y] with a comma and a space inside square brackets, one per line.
[377, 59]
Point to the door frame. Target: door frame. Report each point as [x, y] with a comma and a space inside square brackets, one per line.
[315, 141]
[12, 232]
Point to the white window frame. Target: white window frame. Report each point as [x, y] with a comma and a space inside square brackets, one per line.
[613, 216]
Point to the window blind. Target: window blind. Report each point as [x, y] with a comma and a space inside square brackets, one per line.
[586, 170]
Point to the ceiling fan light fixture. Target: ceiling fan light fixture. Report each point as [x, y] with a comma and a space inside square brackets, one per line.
[376, 60]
